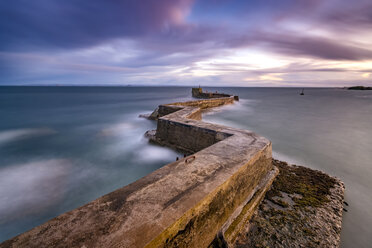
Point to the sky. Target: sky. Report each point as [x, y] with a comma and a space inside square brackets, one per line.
[268, 43]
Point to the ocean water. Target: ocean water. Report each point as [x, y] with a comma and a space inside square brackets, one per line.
[61, 147]
[326, 129]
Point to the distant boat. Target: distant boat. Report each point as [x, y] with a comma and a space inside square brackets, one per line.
[302, 93]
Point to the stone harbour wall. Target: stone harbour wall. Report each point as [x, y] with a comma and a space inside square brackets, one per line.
[198, 93]
[183, 204]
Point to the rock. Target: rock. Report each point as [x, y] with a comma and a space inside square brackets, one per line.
[314, 220]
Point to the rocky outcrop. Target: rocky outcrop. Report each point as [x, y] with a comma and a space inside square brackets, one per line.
[302, 209]
[359, 88]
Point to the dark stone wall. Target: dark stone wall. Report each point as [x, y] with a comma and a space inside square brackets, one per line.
[198, 93]
[167, 109]
[187, 136]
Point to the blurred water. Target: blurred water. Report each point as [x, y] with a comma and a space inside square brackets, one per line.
[326, 129]
[61, 147]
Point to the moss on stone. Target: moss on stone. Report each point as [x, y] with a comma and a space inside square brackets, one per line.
[293, 219]
[312, 185]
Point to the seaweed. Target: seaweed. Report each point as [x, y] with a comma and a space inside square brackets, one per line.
[312, 185]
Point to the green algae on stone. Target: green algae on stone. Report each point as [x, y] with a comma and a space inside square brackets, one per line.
[303, 208]
[312, 185]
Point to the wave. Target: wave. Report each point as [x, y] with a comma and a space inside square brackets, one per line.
[151, 153]
[117, 129]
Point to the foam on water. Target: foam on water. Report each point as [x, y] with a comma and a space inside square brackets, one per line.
[93, 144]
[31, 187]
[151, 153]
[17, 134]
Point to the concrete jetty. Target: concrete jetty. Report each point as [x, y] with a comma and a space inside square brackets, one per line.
[202, 200]
[184, 203]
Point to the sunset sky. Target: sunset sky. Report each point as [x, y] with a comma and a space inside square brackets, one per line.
[321, 43]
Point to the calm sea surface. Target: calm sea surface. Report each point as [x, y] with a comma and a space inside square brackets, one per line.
[61, 147]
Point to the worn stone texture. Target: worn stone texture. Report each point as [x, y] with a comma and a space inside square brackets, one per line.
[233, 226]
[183, 130]
[182, 204]
[302, 209]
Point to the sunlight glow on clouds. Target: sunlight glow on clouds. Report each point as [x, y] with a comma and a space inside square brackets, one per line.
[366, 75]
[271, 77]
[181, 42]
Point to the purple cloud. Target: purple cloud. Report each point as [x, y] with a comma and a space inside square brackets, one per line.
[80, 23]
[312, 46]
[117, 40]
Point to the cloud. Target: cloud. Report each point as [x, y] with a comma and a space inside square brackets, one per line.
[176, 41]
[366, 75]
[311, 46]
[354, 16]
[271, 77]
[79, 23]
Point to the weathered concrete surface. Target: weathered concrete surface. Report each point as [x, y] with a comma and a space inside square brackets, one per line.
[183, 204]
[233, 226]
[201, 104]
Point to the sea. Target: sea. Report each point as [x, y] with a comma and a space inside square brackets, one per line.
[62, 147]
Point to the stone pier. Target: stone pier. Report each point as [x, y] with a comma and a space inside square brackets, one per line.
[197, 201]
